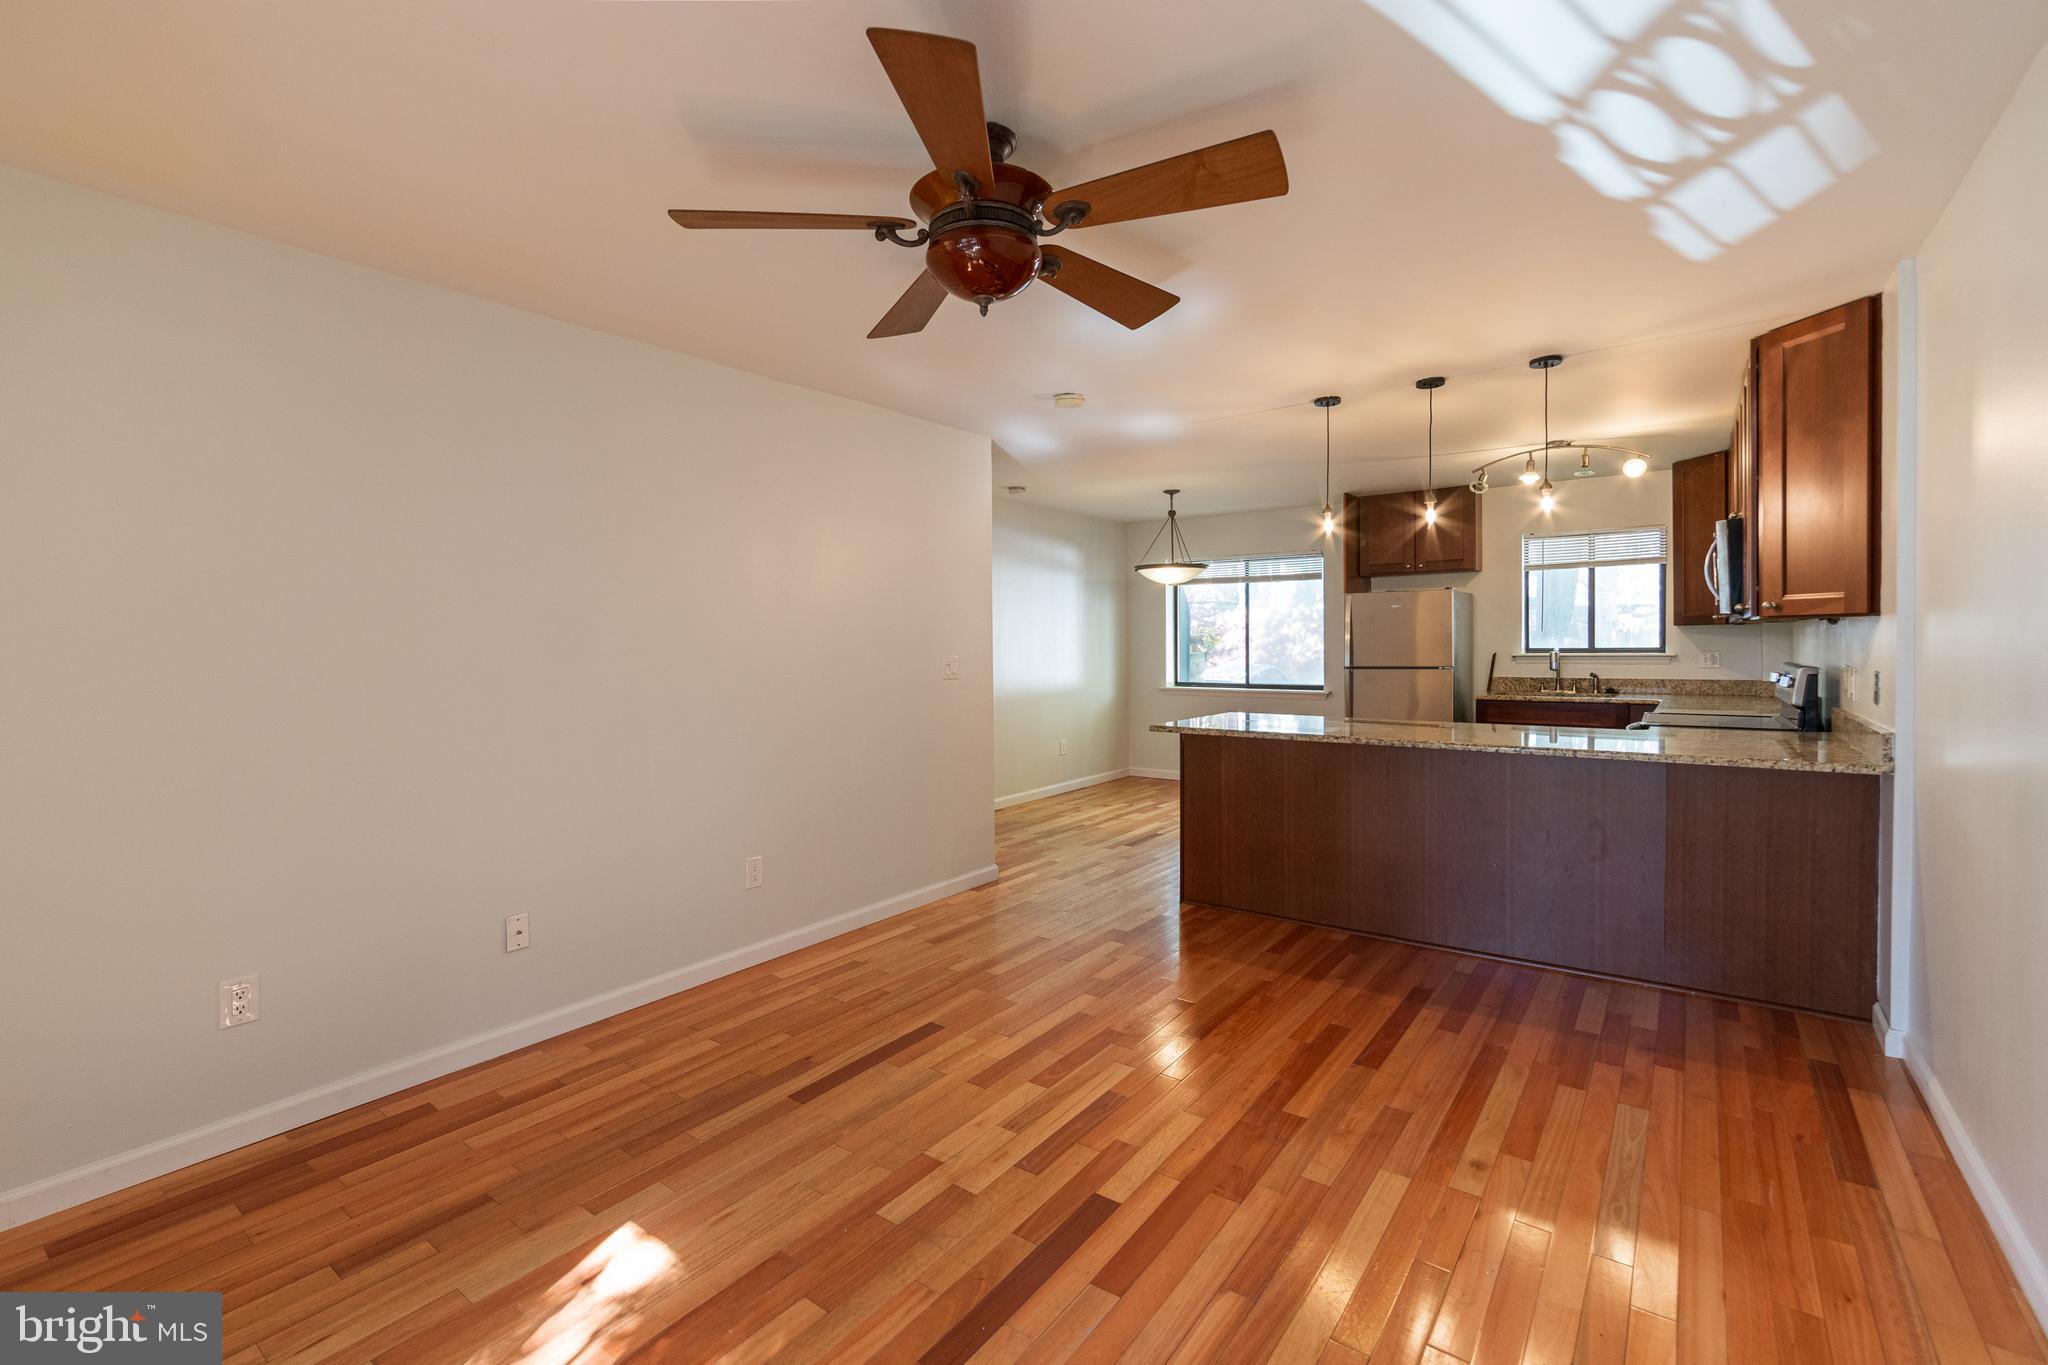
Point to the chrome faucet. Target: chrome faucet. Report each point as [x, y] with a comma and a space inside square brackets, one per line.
[1556, 678]
[1595, 677]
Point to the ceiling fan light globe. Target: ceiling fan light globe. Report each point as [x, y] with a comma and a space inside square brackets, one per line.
[1172, 573]
[983, 262]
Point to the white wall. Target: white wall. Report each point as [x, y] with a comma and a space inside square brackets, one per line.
[1981, 678]
[1149, 628]
[1604, 502]
[1059, 673]
[344, 616]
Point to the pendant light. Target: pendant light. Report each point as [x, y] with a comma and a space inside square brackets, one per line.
[1326, 402]
[1430, 386]
[1177, 567]
[1546, 493]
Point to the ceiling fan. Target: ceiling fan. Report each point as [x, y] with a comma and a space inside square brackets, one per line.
[985, 219]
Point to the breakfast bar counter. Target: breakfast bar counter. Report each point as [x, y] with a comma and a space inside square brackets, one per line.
[1839, 751]
[1739, 862]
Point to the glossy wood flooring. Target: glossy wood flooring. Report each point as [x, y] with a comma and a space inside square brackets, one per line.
[1064, 1119]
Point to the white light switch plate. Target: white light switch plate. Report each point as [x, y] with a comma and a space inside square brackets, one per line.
[1710, 658]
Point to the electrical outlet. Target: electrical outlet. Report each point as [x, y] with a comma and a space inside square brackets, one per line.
[1848, 683]
[1063, 748]
[754, 877]
[238, 1004]
[515, 932]
[949, 668]
[1710, 658]
[1876, 686]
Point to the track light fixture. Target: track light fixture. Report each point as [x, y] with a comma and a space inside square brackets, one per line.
[1634, 465]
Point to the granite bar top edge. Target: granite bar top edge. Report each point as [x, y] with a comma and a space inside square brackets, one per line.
[1868, 755]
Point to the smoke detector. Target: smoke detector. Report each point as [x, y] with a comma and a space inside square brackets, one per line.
[1069, 400]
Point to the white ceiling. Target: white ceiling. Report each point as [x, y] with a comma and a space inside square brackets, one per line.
[525, 151]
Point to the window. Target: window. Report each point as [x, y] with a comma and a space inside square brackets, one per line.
[1594, 591]
[1251, 623]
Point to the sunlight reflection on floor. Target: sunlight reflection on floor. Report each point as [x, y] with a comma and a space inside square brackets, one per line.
[592, 1310]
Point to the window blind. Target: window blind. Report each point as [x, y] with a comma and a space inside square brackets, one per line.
[1637, 545]
[1262, 569]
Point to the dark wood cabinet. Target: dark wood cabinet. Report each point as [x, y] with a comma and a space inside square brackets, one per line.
[1387, 523]
[1586, 715]
[1816, 465]
[1699, 498]
[1452, 545]
[1387, 535]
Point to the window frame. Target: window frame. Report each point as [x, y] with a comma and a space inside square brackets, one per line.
[1592, 566]
[1177, 614]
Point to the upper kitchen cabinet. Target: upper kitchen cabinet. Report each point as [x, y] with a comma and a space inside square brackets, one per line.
[1815, 393]
[1389, 535]
[1452, 545]
[1699, 498]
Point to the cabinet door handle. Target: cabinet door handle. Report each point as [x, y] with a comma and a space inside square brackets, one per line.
[1707, 569]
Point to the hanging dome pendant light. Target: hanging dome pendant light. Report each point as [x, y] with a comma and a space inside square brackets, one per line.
[1178, 566]
[1430, 386]
[1326, 402]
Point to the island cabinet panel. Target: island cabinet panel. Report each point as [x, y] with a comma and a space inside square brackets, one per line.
[1467, 802]
[1388, 894]
[1232, 843]
[1586, 847]
[1741, 881]
[1771, 884]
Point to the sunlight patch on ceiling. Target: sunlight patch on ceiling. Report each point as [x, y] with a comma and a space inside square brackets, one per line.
[1703, 110]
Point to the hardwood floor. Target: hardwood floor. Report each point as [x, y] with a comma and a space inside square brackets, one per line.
[1063, 1118]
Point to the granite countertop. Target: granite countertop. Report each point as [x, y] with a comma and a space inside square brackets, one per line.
[1841, 751]
[1739, 704]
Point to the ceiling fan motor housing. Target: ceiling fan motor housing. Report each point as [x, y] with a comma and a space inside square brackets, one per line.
[983, 249]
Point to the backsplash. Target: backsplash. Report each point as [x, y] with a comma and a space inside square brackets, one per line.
[1674, 687]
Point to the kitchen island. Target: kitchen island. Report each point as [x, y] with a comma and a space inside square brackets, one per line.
[1741, 862]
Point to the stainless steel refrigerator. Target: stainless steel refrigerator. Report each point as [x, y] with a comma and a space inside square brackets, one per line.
[1408, 655]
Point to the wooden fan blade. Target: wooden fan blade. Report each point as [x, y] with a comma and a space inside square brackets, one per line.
[724, 218]
[911, 312]
[1227, 173]
[939, 81]
[1110, 292]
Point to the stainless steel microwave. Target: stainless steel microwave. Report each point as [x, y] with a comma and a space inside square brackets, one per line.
[1725, 569]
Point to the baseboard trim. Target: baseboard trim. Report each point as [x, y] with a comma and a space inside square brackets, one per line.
[1059, 788]
[1892, 1040]
[2020, 1253]
[71, 1188]
[1171, 774]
